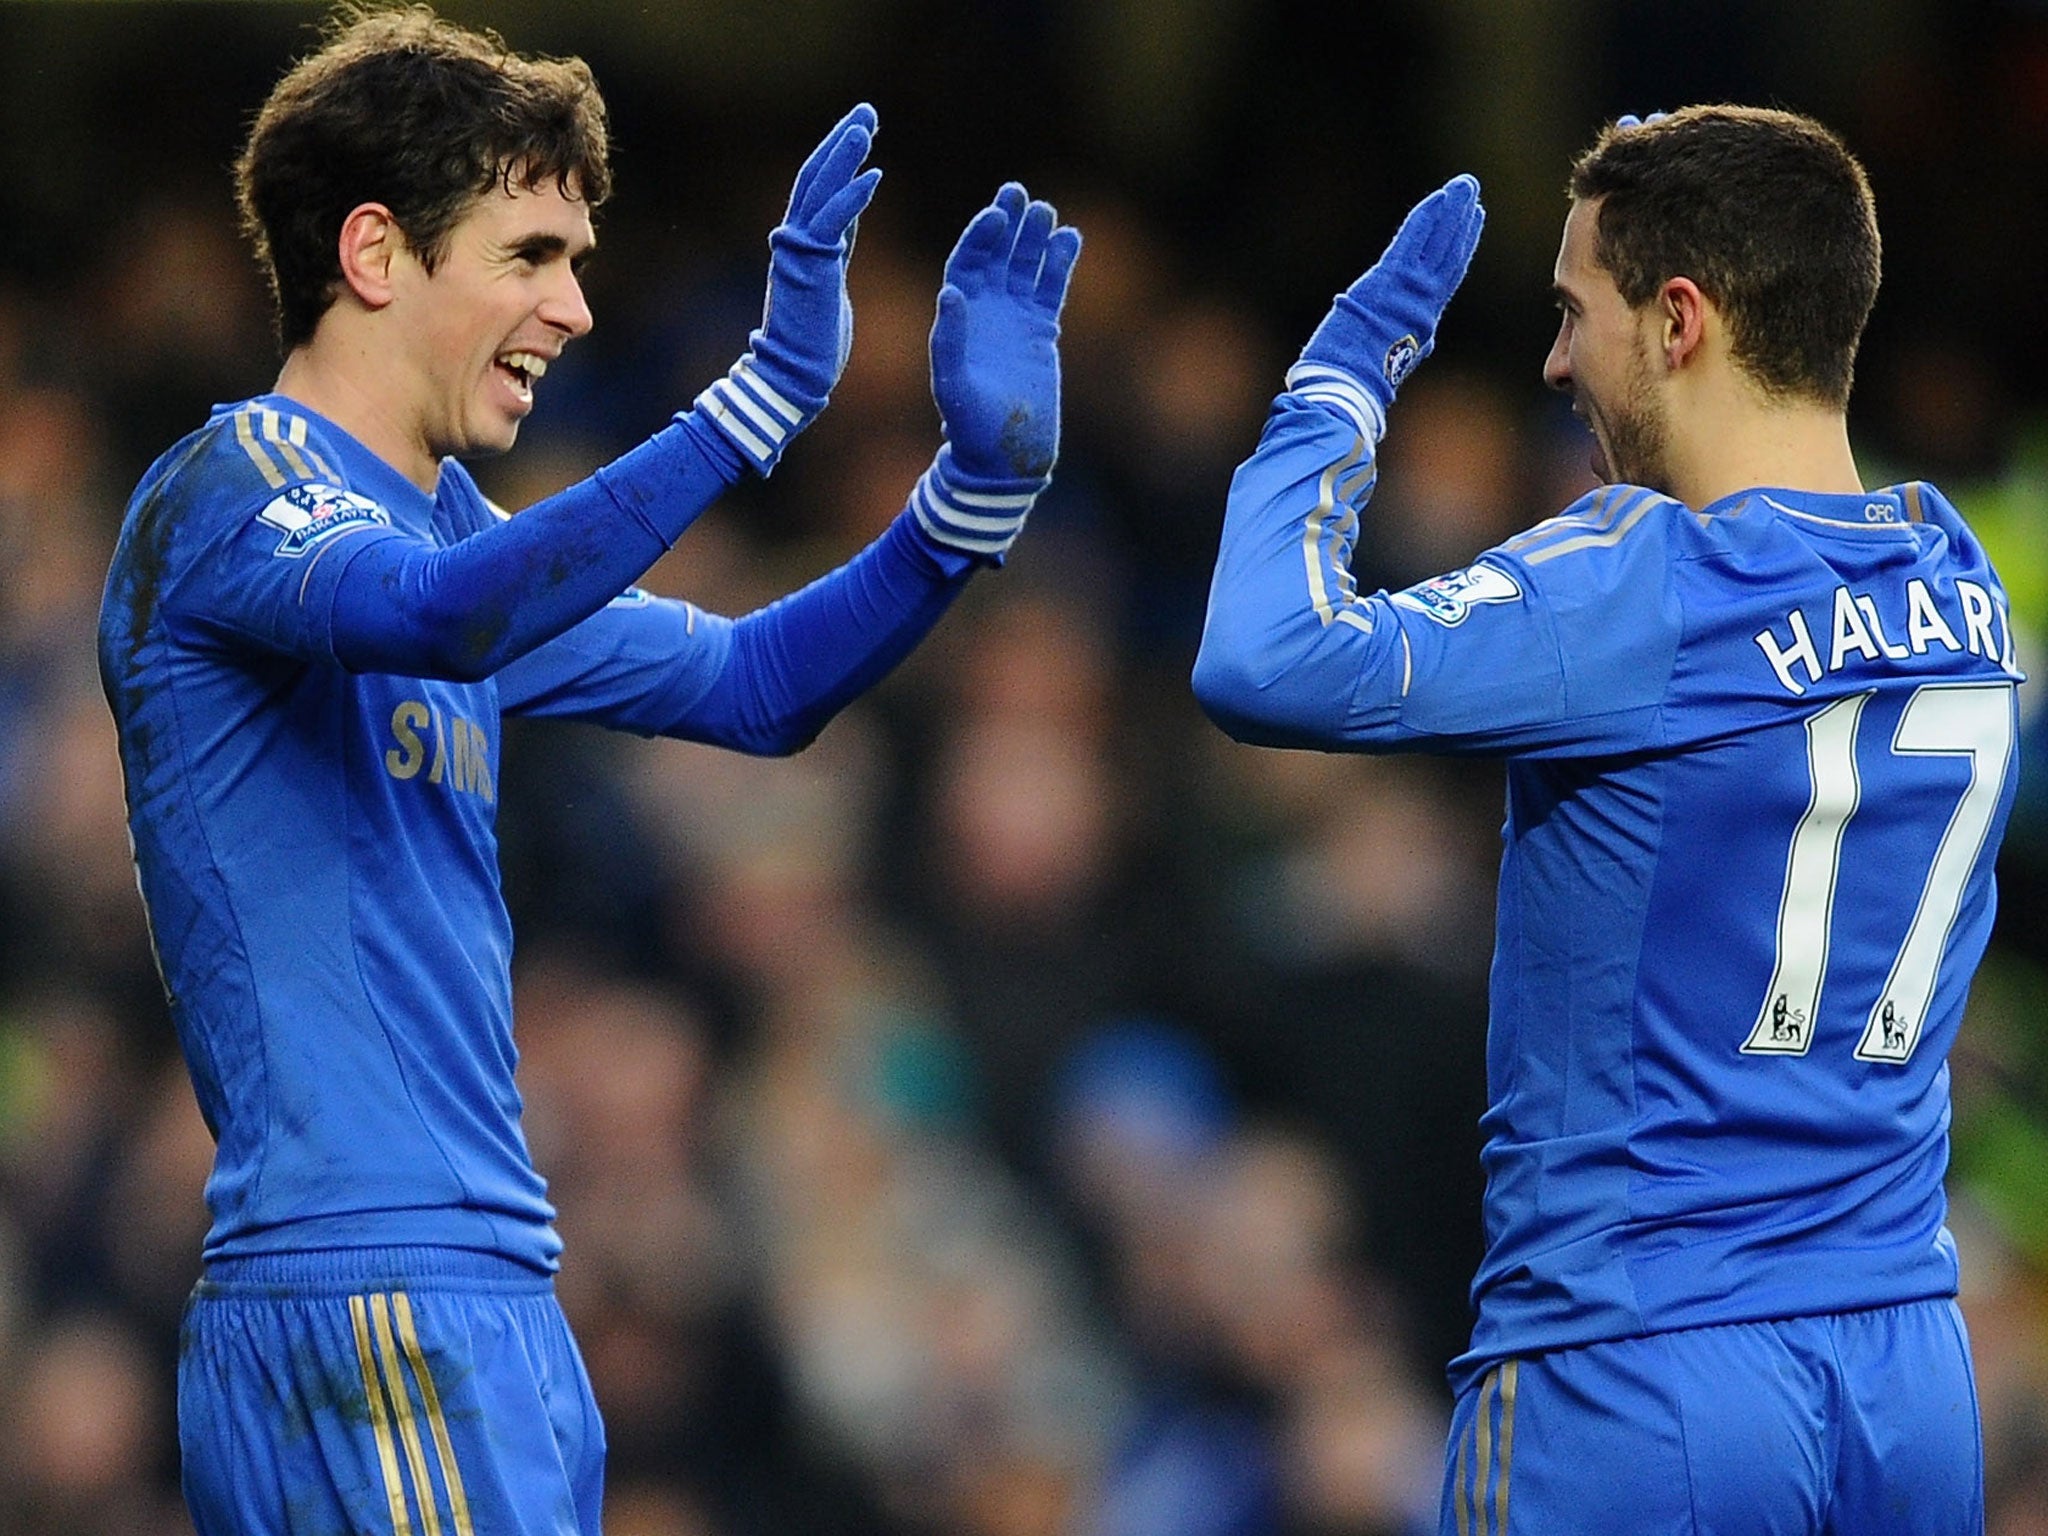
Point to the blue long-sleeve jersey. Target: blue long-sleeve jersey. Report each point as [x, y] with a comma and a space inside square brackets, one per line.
[1759, 761]
[307, 659]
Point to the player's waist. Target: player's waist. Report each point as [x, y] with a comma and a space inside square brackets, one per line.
[1529, 1300]
[346, 1271]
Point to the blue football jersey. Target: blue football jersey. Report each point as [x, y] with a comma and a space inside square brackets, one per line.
[1760, 757]
[316, 846]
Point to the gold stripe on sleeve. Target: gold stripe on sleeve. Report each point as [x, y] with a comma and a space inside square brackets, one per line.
[1509, 1373]
[1596, 518]
[380, 1423]
[275, 434]
[1605, 540]
[1312, 532]
[437, 1421]
[1914, 512]
[401, 1403]
[246, 436]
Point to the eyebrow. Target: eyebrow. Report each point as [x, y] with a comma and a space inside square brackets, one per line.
[547, 245]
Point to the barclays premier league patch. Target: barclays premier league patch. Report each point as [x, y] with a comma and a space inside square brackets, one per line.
[1447, 599]
[311, 513]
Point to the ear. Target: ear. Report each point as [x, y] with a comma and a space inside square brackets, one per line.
[1682, 309]
[371, 248]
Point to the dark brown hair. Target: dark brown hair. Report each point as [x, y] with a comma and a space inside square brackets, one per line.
[1767, 211]
[402, 108]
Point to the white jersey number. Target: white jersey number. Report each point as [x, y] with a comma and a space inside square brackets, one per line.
[1972, 720]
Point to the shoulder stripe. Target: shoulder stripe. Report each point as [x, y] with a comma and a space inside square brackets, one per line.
[1597, 517]
[296, 431]
[276, 445]
[1606, 540]
[277, 436]
[245, 434]
[1914, 512]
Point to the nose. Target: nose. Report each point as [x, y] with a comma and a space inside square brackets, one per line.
[565, 308]
[1557, 367]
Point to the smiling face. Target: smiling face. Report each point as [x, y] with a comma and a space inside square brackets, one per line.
[499, 306]
[1606, 358]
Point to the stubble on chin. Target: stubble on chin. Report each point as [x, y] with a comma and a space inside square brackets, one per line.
[1638, 437]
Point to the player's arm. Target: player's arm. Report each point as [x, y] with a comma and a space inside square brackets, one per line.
[1558, 642]
[769, 681]
[463, 612]
[1288, 642]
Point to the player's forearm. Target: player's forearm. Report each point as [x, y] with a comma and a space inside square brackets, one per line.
[796, 663]
[464, 611]
[1288, 644]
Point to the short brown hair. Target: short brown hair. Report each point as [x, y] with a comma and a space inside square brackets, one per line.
[1767, 211]
[402, 108]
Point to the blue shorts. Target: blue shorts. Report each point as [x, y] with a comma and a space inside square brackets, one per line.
[1838, 1425]
[418, 1392]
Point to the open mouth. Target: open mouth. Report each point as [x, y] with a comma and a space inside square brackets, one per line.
[524, 369]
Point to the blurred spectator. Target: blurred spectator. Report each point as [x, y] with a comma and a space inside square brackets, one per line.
[83, 1442]
[1451, 481]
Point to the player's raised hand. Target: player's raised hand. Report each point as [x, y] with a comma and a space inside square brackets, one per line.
[806, 331]
[996, 371]
[1385, 323]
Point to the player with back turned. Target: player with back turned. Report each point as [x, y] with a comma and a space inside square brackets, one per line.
[1759, 724]
[312, 628]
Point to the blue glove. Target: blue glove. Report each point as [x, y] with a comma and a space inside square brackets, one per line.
[780, 385]
[1630, 120]
[996, 374]
[1385, 323]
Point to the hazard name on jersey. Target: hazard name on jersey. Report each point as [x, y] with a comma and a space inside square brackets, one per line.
[1858, 631]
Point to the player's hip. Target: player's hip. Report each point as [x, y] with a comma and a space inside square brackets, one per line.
[1834, 1423]
[386, 1389]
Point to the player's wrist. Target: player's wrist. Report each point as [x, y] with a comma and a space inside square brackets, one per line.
[1342, 391]
[762, 402]
[974, 513]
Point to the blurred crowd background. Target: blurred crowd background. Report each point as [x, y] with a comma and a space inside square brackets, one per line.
[1026, 1113]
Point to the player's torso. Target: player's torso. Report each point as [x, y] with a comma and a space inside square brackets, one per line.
[1729, 969]
[318, 855]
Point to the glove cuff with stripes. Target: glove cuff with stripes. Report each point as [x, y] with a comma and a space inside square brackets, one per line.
[969, 513]
[754, 415]
[1341, 392]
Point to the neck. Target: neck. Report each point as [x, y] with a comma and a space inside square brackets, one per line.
[344, 383]
[1739, 440]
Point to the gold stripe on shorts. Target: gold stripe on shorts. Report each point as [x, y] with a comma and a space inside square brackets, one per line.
[1509, 1372]
[380, 1422]
[437, 1421]
[1482, 1436]
[1472, 1499]
[1459, 1503]
[401, 1404]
